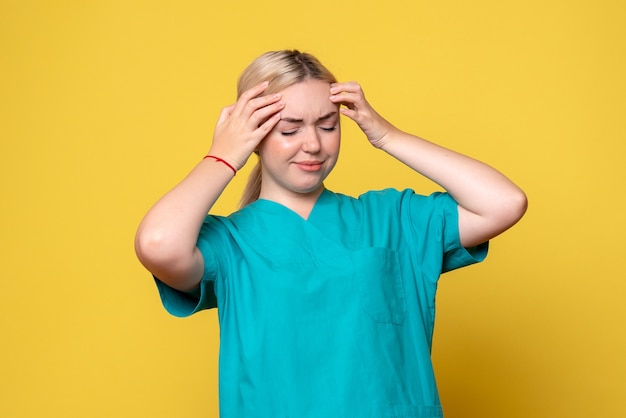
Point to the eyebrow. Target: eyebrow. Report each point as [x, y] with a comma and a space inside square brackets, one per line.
[320, 119]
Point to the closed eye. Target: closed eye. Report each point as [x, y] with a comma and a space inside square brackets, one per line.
[295, 131]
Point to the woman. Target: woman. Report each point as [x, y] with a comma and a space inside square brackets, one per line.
[325, 302]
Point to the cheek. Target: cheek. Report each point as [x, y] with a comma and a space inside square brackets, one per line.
[276, 143]
[334, 143]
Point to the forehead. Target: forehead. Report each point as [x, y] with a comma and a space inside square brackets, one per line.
[307, 98]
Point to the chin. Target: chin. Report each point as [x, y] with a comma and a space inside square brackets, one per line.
[308, 190]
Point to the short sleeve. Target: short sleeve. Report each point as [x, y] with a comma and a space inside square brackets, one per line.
[431, 226]
[183, 304]
[455, 255]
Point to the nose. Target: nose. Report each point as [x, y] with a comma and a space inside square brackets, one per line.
[311, 141]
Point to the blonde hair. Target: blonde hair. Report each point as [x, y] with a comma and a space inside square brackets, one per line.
[282, 69]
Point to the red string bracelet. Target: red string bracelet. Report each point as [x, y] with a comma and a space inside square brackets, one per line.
[218, 159]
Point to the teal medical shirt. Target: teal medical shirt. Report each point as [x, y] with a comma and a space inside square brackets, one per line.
[331, 316]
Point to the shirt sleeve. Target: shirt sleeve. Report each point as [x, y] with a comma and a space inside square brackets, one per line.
[432, 222]
[455, 255]
[183, 304]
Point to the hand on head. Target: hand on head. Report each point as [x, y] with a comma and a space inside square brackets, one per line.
[242, 125]
[357, 108]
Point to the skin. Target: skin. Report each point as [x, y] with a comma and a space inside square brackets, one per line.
[291, 131]
[489, 203]
[302, 148]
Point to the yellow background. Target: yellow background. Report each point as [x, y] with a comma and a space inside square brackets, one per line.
[104, 105]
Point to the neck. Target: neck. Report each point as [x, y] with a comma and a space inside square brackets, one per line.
[300, 203]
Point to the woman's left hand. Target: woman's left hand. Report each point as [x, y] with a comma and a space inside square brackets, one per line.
[357, 108]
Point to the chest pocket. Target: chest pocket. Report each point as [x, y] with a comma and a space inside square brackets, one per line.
[379, 281]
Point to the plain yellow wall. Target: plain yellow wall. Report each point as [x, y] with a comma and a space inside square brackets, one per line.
[106, 104]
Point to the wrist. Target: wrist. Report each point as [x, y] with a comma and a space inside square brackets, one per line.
[222, 161]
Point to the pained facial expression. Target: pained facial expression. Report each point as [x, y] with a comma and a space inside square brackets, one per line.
[303, 147]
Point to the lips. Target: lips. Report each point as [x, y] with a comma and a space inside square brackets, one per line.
[313, 165]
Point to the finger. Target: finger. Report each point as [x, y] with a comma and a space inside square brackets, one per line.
[267, 126]
[352, 114]
[263, 113]
[250, 94]
[259, 103]
[350, 86]
[347, 98]
[254, 91]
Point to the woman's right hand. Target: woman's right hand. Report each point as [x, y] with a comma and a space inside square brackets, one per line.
[166, 241]
[243, 125]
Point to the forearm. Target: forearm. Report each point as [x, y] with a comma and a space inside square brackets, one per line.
[166, 238]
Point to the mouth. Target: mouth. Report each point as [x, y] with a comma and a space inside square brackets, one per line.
[311, 166]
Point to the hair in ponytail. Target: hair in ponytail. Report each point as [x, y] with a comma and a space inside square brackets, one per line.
[282, 69]
[253, 186]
